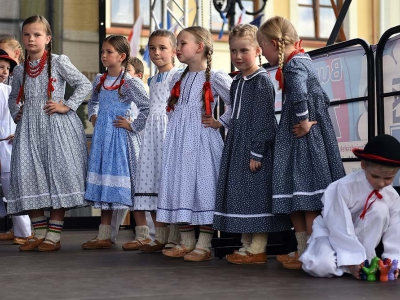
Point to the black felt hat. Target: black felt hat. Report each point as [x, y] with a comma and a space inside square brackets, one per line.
[382, 149]
[4, 55]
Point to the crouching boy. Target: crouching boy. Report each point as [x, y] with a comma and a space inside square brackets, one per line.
[359, 211]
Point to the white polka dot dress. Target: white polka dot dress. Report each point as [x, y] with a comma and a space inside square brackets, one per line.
[191, 154]
[150, 159]
[304, 167]
[244, 198]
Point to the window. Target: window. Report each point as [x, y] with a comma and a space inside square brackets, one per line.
[317, 18]
[122, 12]
[217, 21]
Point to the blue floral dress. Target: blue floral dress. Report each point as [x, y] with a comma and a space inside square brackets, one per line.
[304, 167]
[49, 156]
[244, 198]
[114, 151]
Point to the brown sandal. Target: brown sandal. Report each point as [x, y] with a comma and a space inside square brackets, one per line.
[49, 245]
[135, 244]
[198, 254]
[154, 246]
[177, 251]
[31, 244]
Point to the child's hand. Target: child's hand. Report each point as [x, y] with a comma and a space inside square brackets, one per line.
[52, 107]
[355, 271]
[10, 138]
[209, 121]
[255, 165]
[93, 119]
[122, 122]
[301, 129]
[396, 274]
[19, 115]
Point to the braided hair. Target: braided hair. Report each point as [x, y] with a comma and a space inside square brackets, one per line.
[282, 31]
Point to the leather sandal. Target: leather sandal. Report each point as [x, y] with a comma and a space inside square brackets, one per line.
[247, 259]
[293, 264]
[177, 251]
[49, 245]
[285, 257]
[31, 244]
[97, 244]
[135, 244]
[154, 246]
[198, 254]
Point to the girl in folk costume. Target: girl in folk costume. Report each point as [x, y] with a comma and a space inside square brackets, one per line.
[114, 150]
[306, 158]
[162, 47]
[21, 230]
[244, 193]
[49, 157]
[193, 146]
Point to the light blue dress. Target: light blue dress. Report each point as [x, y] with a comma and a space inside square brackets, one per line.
[115, 151]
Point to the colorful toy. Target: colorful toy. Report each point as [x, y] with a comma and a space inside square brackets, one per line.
[393, 269]
[384, 267]
[363, 275]
[371, 271]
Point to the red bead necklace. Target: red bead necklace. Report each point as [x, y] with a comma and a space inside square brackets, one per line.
[113, 86]
[37, 70]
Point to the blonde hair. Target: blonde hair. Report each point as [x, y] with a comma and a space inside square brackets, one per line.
[279, 29]
[384, 168]
[201, 35]
[14, 44]
[245, 30]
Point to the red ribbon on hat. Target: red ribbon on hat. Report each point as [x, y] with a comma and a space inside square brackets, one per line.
[208, 97]
[279, 73]
[366, 206]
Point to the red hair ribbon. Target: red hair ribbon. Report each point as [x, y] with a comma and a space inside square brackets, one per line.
[50, 87]
[366, 206]
[20, 93]
[175, 92]
[208, 97]
[279, 74]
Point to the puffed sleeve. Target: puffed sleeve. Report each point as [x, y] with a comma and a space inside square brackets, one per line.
[264, 121]
[338, 220]
[296, 92]
[137, 94]
[221, 84]
[16, 84]
[391, 236]
[93, 105]
[75, 79]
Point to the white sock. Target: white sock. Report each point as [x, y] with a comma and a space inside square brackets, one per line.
[54, 231]
[205, 237]
[246, 241]
[40, 226]
[188, 236]
[162, 234]
[104, 232]
[142, 233]
[174, 234]
[258, 243]
[301, 238]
